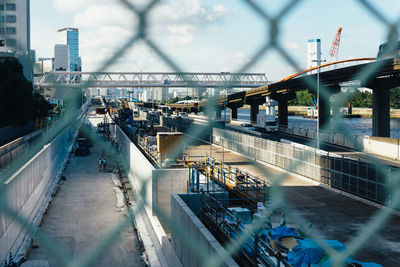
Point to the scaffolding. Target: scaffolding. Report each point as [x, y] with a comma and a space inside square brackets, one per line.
[255, 249]
[214, 176]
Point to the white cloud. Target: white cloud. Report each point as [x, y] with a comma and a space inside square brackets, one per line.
[74, 5]
[292, 45]
[180, 34]
[106, 25]
[100, 15]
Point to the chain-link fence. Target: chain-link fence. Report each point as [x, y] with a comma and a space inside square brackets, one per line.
[376, 182]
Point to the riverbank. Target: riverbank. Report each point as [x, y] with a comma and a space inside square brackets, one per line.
[363, 112]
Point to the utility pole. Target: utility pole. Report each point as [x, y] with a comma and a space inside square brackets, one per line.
[318, 70]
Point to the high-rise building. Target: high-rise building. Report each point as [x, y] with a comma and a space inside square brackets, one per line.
[145, 95]
[160, 93]
[198, 92]
[70, 37]
[314, 53]
[15, 33]
[61, 58]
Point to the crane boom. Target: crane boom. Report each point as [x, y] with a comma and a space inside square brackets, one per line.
[335, 44]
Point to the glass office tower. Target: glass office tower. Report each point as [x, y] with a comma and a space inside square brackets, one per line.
[70, 37]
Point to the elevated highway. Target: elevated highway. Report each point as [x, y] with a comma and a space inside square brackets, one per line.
[380, 76]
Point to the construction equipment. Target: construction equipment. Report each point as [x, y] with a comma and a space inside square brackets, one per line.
[333, 53]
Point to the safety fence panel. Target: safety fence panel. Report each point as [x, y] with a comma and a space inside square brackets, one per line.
[353, 176]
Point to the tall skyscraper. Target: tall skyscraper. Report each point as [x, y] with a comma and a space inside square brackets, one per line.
[314, 53]
[70, 37]
[15, 37]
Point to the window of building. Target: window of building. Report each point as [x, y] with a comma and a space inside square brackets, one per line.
[11, 18]
[1, 7]
[11, 7]
[11, 42]
[10, 30]
[1, 31]
[1, 42]
[1, 19]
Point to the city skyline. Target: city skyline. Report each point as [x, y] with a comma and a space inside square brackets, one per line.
[224, 34]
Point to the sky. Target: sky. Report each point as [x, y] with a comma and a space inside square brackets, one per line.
[211, 35]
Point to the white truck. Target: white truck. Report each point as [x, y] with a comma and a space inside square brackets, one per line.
[268, 121]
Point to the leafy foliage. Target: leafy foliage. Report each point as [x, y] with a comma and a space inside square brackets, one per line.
[395, 98]
[303, 98]
[361, 99]
[176, 99]
[357, 98]
[17, 103]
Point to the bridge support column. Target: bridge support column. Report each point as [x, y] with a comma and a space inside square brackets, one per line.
[217, 112]
[254, 109]
[234, 113]
[381, 113]
[283, 113]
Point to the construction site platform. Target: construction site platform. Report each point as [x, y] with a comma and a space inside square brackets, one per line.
[333, 215]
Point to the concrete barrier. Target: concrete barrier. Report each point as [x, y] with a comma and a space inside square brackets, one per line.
[14, 149]
[155, 187]
[383, 146]
[203, 244]
[9, 133]
[166, 182]
[26, 191]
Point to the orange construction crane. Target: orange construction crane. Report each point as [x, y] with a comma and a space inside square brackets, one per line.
[333, 53]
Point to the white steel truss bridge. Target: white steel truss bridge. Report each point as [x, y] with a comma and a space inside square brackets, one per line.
[151, 79]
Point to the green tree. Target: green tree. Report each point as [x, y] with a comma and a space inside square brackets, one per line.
[303, 98]
[361, 99]
[395, 98]
[18, 104]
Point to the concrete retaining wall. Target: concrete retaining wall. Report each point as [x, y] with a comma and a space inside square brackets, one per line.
[25, 191]
[193, 243]
[140, 172]
[9, 133]
[165, 183]
[14, 149]
[383, 146]
[155, 187]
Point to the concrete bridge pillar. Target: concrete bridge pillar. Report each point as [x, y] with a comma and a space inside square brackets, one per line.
[254, 109]
[217, 112]
[234, 113]
[381, 112]
[283, 113]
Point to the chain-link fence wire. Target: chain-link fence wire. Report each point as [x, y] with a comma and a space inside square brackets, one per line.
[271, 43]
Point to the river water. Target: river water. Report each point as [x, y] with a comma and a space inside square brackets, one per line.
[355, 126]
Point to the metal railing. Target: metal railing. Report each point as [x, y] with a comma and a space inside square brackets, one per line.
[354, 176]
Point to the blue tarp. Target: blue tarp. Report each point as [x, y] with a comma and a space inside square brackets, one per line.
[278, 232]
[363, 264]
[308, 252]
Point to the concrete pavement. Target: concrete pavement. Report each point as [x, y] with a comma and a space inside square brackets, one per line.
[83, 212]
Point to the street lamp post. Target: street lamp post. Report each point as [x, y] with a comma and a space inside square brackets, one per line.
[319, 61]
